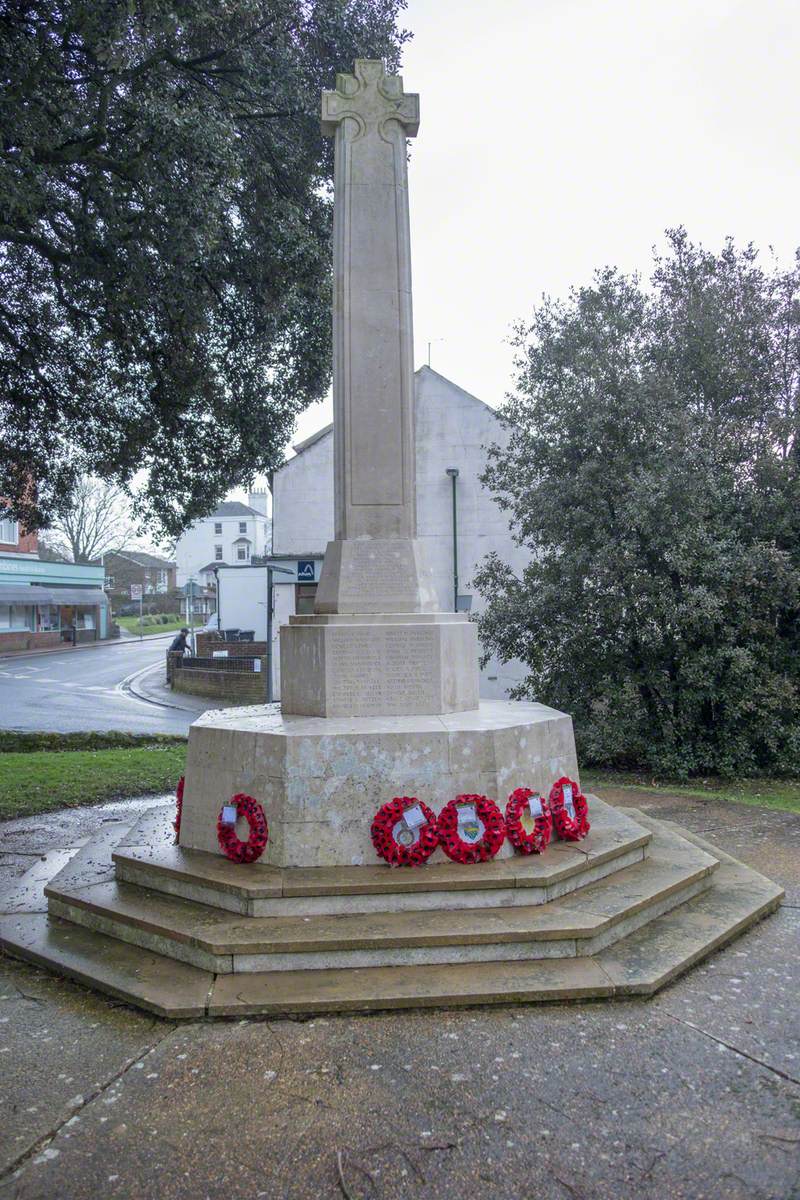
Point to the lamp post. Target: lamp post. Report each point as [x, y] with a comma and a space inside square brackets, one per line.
[453, 473]
[216, 588]
[282, 571]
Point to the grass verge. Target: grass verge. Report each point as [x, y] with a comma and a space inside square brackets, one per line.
[762, 793]
[37, 781]
[131, 625]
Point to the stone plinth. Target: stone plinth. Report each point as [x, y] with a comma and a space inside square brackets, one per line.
[379, 666]
[376, 575]
[321, 781]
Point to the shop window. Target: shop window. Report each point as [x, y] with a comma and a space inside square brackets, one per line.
[304, 594]
[14, 616]
[218, 553]
[48, 618]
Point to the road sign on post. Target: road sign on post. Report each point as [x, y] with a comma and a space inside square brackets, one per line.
[137, 593]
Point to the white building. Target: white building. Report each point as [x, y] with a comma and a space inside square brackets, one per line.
[453, 431]
[231, 536]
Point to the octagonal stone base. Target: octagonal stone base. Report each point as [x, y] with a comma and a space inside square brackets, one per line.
[321, 780]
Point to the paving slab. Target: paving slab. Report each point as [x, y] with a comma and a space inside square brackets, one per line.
[59, 1045]
[518, 1103]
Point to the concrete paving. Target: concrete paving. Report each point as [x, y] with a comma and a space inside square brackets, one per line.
[695, 1094]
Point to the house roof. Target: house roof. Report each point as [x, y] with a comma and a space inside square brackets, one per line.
[210, 566]
[420, 373]
[142, 559]
[299, 447]
[233, 508]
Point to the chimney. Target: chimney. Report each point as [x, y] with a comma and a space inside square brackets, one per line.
[258, 501]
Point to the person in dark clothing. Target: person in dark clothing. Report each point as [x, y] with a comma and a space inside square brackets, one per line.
[179, 646]
[179, 643]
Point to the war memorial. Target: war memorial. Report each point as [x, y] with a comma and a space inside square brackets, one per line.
[382, 741]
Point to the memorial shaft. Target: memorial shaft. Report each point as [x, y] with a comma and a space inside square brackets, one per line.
[373, 389]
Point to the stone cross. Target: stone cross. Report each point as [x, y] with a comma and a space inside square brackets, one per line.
[370, 118]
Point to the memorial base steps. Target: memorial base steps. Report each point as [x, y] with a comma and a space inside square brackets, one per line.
[147, 857]
[626, 934]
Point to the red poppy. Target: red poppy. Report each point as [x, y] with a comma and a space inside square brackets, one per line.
[233, 846]
[567, 827]
[539, 837]
[460, 833]
[400, 843]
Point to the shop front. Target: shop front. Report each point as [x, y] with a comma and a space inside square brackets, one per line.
[45, 604]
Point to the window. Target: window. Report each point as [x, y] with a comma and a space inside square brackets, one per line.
[218, 553]
[243, 527]
[218, 528]
[109, 581]
[48, 617]
[9, 531]
[304, 594]
[241, 553]
[14, 616]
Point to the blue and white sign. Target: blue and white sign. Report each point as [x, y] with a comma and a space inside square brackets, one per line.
[305, 570]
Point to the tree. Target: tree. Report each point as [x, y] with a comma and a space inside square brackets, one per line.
[97, 523]
[653, 470]
[165, 223]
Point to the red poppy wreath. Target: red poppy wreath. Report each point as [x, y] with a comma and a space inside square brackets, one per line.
[471, 829]
[176, 824]
[536, 839]
[569, 808]
[231, 845]
[404, 832]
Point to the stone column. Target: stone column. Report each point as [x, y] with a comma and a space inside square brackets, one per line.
[374, 565]
[377, 644]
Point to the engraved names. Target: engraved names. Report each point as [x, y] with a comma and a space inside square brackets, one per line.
[393, 669]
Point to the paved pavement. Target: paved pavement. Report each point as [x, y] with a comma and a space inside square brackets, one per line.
[694, 1095]
[92, 688]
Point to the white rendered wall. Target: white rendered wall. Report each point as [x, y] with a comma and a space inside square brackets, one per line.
[452, 430]
[195, 548]
[302, 501]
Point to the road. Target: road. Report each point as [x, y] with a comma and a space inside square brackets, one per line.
[85, 689]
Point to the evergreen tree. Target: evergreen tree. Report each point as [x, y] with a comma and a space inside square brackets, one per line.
[653, 470]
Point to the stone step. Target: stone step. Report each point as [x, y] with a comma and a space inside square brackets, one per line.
[148, 857]
[639, 964]
[150, 981]
[579, 923]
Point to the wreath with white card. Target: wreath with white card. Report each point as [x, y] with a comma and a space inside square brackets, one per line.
[529, 822]
[404, 832]
[471, 829]
[231, 844]
[569, 808]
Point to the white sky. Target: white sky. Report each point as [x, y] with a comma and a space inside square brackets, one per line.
[557, 136]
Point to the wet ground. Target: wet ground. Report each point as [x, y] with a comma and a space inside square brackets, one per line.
[695, 1094]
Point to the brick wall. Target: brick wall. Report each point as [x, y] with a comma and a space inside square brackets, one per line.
[23, 640]
[206, 647]
[248, 686]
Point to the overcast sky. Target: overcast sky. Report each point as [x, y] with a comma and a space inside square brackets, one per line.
[560, 135]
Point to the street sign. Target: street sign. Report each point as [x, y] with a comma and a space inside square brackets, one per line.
[137, 591]
[305, 570]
